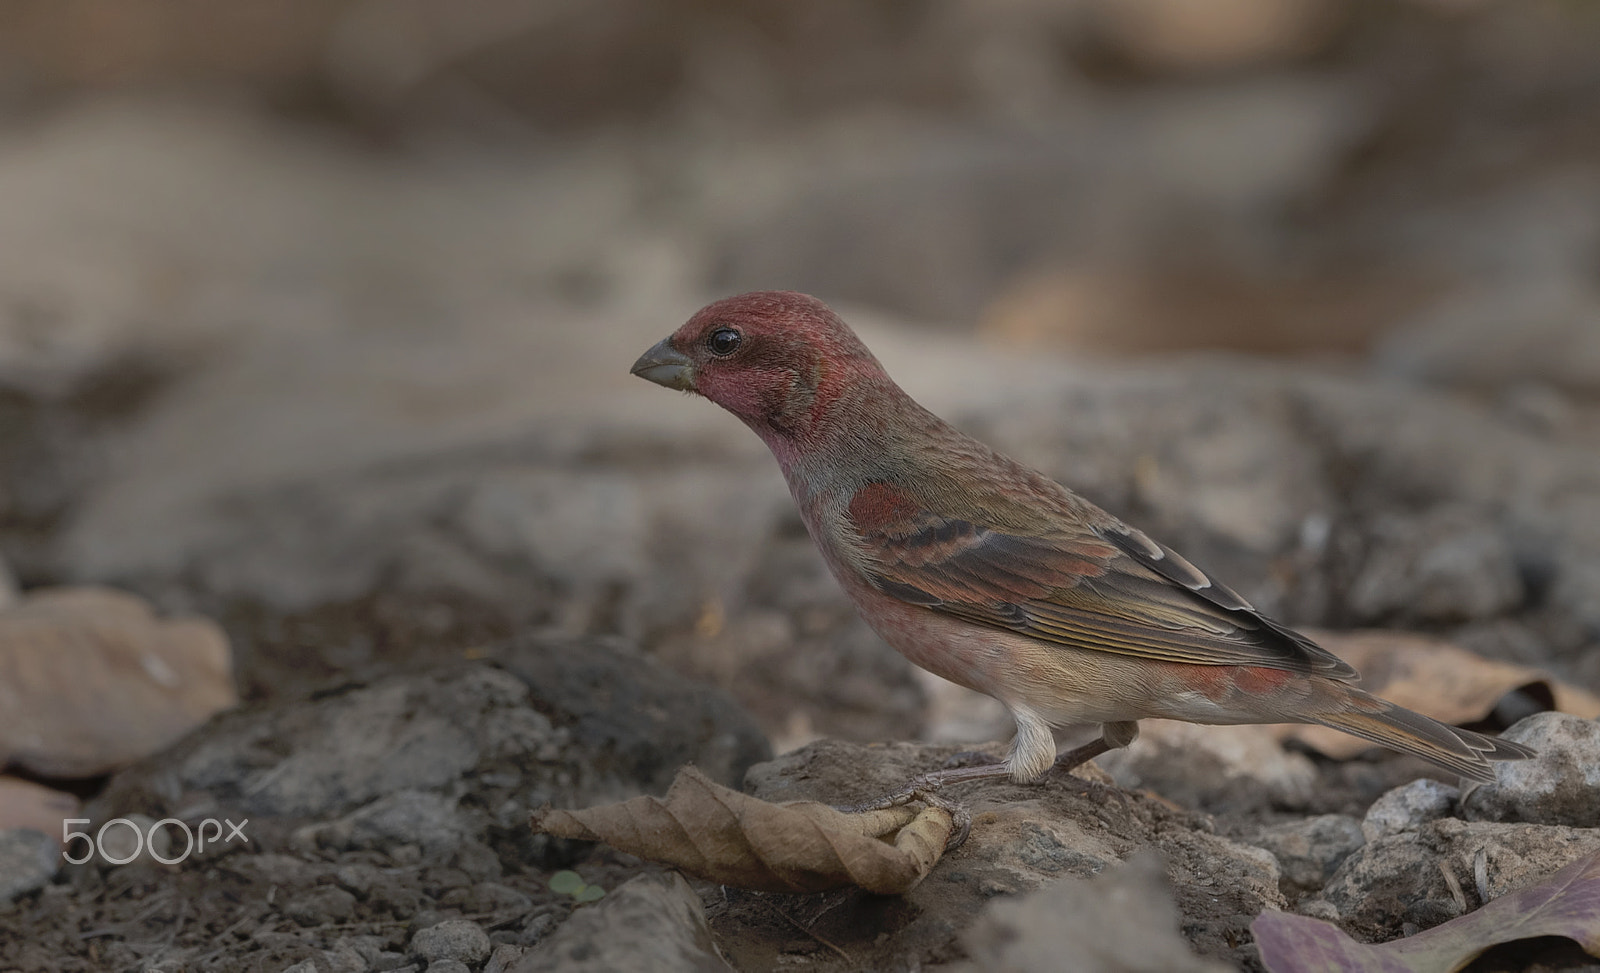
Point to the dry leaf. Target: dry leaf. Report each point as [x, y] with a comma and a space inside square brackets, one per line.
[730, 838]
[1434, 678]
[1566, 904]
[91, 680]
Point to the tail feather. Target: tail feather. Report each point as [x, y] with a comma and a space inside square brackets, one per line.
[1462, 751]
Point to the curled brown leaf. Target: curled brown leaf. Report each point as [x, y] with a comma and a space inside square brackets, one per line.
[723, 836]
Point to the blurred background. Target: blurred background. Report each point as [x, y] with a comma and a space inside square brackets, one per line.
[315, 315]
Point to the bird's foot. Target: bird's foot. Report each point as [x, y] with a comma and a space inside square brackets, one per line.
[960, 816]
[925, 788]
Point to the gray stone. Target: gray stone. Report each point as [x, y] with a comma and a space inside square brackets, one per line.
[653, 922]
[1308, 851]
[1559, 786]
[1446, 565]
[429, 819]
[538, 927]
[1470, 340]
[1124, 919]
[346, 957]
[121, 844]
[484, 898]
[320, 906]
[448, 966]
[504, 958]
[304, 966]
[1024, 837]
[570, 721]
[1408, 807]
[28, 861]
[453, 939]
[639, 720]
[1431, 874]
[1219, 769]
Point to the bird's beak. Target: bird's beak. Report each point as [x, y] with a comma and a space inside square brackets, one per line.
[666, 365]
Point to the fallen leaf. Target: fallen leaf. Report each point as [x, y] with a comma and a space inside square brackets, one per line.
[91, 680]
[730, 838]
[1566, 904]
[1434, 678]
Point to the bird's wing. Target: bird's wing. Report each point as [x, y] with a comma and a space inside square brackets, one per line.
[1108, 588]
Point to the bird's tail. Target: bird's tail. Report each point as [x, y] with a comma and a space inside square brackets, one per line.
[1462, 751]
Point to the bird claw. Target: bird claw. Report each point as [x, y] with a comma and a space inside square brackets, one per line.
[922, 789]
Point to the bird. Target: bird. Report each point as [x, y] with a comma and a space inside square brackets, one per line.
[992, 575]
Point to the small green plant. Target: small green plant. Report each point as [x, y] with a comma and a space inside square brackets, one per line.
[571, 883]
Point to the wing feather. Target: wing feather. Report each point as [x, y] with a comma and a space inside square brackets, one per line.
[1108, 588]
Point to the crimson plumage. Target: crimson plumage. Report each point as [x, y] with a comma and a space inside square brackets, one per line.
[996, 577]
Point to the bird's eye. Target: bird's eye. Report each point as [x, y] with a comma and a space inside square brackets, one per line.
[723, 342]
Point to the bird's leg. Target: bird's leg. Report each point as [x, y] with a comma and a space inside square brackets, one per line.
[1030, 734]
[1112, 736]
[921, 787]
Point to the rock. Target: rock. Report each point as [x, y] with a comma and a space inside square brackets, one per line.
[486, 898]
[1446, 565]
[1409, 807]
[1559, 786]
[91, 680]
[424, 817]
[1213, 768]
[323, 905]
[1420, 878]
[478, 861]
[1465, 341]
[1024, 837]
[1124, 919]
[653, 922]
[383, 765]
[509, 517]
[1308, 851]
[643, 720]
[537, 927]
[449, 966]
[304, 966]
[460, 940]
[504, 958]
[129, 839]
[28, 860]
[346, 956]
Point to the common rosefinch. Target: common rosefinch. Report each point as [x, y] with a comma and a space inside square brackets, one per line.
[995, 577]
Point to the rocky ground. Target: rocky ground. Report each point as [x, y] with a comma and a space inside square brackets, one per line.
[357, 392]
